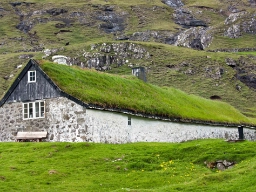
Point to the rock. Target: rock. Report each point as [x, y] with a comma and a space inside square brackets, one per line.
[252, 2]
[196, 37]
[60, 25]
[230, 62]
[123, 37]
[227, 163]
[220, 166]
[238, 87]
[19, 66]
[60, 59]
[56, 11]
[233, 17]
[112, 22]
[25, 26]
[233, 32]
[48, 52]
[173, 3]
[184, 18]
[25, 56]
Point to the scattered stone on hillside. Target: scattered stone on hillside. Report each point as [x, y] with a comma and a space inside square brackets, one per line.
[184, 18]
[214, 72]
[173, 3]
[233, 17]
[231, 62]
[233, 32]
[252, 2]
[107, 55]
[60, 25]
[245, 71]
[112, 22]
[56, 11]
[238, 87]
[26, 56]
[220, 164]
[14, 4]
[237, 26]
[49, 52]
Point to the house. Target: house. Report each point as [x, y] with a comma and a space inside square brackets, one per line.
[34, 103]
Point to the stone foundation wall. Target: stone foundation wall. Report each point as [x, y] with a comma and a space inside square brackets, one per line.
[67, 121]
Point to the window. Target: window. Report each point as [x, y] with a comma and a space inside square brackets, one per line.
[33, 110]
[31, 76]
[129, 120]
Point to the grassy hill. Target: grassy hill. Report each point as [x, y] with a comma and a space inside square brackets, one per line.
[128, 92]
[137, 167]
[71, 28]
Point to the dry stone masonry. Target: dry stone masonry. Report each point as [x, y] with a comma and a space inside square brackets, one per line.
[68, 121]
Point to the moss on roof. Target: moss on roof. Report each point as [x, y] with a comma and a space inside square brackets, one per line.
[130, 93]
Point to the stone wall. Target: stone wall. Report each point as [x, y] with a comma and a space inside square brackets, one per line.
[67, 121]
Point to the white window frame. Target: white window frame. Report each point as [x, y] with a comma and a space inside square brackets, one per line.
[33, 110]
[31, 76]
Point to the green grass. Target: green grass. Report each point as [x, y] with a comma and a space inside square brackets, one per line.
[136, 167]
[112, 91]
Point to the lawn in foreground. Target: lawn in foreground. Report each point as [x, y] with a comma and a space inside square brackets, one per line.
[126, 167]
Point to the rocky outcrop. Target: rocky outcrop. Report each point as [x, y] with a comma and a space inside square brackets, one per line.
[196, 34]
[173, 3]
[103, 56]
[240, 23]
[184, 18]
[196, 37]
[115, 54]
[244, 67]
[112, 21]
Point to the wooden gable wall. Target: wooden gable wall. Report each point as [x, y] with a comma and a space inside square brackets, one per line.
[41, 89]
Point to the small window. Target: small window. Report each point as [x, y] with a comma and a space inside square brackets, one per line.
[33, 110]
[31, 76]
[129, 120]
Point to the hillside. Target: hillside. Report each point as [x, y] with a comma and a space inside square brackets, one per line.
[129, 93]
[154, 167]
[201, 47]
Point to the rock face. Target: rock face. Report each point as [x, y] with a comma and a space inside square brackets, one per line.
[244, 68]
[115, 53]
[103, 56]
[196, 34]
[195, 37]
[240, 23]
[112, 22]
[173, 3]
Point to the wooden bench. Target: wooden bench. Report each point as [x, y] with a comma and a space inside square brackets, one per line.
[31, 136]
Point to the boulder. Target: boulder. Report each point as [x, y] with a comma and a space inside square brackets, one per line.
[60, 59]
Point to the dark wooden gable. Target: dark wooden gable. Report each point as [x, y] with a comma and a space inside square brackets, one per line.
[22, 90]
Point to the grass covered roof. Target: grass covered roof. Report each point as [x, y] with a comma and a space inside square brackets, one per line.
[130, 93]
